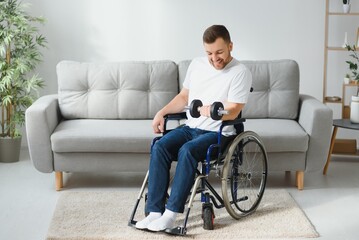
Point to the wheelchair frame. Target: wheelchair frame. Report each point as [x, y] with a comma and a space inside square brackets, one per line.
[206, 188]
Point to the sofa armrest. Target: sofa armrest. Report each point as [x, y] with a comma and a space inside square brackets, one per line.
[316, 119]
[41, 118]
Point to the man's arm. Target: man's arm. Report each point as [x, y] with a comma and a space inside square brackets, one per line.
[176, 105]
[234, 109]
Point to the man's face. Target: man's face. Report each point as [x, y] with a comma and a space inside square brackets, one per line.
[218, 53]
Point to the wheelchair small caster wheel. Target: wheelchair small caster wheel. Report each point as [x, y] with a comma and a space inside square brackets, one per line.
[208, 217]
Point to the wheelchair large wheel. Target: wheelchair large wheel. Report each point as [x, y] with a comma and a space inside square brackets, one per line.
[244, 175]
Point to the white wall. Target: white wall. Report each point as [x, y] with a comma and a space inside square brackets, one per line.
[120, 30]
[117, 30]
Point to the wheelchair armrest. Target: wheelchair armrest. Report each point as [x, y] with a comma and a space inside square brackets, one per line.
[173, 116]
[237, 123]
[233, 122]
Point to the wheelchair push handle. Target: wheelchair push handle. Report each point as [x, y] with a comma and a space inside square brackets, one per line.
[217, 109]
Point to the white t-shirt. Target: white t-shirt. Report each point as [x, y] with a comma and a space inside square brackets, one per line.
[231, 84]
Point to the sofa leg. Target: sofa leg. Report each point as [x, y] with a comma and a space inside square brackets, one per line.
[300, 180]
[58, 180]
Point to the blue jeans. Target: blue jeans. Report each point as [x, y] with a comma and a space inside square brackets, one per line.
[187, 146]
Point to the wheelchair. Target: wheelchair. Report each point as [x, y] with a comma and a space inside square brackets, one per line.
[240, 161]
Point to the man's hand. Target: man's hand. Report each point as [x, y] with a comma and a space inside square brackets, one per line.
[174, 106]
[205, 111]
[158, 123]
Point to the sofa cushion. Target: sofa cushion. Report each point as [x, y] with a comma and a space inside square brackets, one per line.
[93, 135]
[279, 135]
[135, 136]
[125, 90]
[275, 89]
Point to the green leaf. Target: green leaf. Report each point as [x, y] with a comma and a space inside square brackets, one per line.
[7, 100]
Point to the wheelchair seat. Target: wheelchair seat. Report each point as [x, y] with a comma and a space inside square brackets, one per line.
[225, 144]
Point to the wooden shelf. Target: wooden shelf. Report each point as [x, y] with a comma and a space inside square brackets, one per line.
[332, 101]
[337, 13]
[351, 85]
[340, 49]
[343, 14]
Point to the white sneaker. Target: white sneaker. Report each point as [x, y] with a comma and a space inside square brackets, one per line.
[166, 221]
[146, 221]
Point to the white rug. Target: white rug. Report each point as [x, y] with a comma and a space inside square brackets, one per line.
[105, 214]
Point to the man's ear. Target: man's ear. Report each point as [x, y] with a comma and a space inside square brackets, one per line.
[230, 46]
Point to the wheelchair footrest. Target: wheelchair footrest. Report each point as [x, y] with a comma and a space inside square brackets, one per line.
[181, 231]
[132, 223]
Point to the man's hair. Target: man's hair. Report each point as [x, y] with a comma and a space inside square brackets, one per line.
[216, 31]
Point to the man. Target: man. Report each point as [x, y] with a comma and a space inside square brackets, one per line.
[219, 77]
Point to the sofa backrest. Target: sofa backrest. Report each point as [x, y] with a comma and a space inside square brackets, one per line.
[137, 90]
[123, 90]
[275, 88]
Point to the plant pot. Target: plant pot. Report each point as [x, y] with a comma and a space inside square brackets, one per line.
[10, 149]
[346, 80]
[346, 8]
[354, 109]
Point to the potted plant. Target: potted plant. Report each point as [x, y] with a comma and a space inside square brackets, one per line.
[347, 79]
[353, 65]
[20, 43]
[346, 6]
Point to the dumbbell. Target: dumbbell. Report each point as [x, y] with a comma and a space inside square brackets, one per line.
[217, 109]
[194, 108]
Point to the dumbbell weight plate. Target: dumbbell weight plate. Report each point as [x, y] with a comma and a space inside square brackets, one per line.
[215, 107]
[193, 108]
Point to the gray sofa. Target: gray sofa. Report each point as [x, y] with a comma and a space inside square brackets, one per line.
[100, 120]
